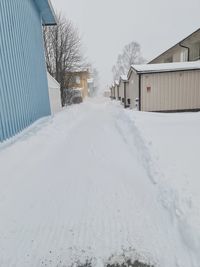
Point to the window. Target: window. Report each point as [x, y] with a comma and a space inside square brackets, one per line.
[78, 80]
[184, 55]
[169, 59]
[72, 79]
[148, 89]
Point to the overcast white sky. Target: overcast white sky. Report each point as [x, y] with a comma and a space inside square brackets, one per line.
[106, 26]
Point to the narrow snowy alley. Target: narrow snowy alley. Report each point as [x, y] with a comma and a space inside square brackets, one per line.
[80, 187]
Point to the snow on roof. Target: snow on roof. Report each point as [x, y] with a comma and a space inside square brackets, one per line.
[91, 80]
[124, 77]
[166, 67]
[116, 82]
[78, 70]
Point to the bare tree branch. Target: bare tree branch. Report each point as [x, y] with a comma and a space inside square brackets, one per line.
[62, 51]
[131, 55]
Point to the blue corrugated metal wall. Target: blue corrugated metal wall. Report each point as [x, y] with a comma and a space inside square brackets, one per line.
[23, 81]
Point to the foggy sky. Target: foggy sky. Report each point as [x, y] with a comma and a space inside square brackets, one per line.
[106, 26]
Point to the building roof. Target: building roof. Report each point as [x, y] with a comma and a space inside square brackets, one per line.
[47, 12]
[180, 43]
[166, 67]
[116, 82]
[79, 70]
[124, 78]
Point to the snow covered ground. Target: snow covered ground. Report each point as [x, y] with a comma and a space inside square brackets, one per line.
[97, 182]
[174, 145]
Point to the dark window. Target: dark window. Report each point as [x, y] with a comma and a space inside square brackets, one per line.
[148, 89]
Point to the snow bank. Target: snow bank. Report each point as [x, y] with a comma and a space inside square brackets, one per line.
[173, 143]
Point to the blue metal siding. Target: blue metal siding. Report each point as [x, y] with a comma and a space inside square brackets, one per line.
[47, 12]
[23, 80]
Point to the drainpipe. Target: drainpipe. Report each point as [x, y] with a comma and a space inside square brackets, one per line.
[118, 92]
[124, 95]
[188, 57]
[139, 92]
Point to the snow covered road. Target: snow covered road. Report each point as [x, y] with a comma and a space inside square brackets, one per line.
[82, 186]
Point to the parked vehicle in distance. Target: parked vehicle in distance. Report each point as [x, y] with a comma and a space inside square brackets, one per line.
[73, 96]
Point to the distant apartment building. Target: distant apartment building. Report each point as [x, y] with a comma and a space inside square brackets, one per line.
[187, 49]
[78, 80]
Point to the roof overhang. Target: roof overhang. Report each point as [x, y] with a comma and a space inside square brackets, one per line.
[47, 12]
[130, 72]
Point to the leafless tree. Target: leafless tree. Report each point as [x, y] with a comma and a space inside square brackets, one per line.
[63, 50]
[131, 55]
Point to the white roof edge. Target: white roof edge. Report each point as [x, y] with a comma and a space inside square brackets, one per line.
[166, 67]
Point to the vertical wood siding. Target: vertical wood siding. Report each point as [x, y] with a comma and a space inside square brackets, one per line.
[126, 85]
[133, 89]
[171, 91]
[116, 91]
[111, 92]
[195, 51]
[23, 80]
[121, 89]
